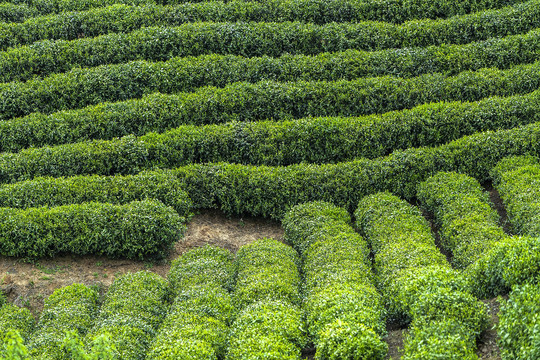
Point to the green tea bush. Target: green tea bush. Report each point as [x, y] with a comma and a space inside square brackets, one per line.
[517, 180]
[202, 266]
[266, 270]
[265, 39]
[393, 228]
[419, 286]
[469, 226]
[196, 326]
[445, 339]
[519, 324]
[515, 18]
[267, 295]
[71, 308]
[136, 230]
[10, 12]
[133, 309]
[40, 7]
[509, 263]
[344, 312]
[16, 319]
[52, 192]
[351, 95]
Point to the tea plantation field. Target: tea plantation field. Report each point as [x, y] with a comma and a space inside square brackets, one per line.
[396, 142]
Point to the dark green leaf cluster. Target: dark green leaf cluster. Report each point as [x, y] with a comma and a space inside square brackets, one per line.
[270, 324]
[344, 312]
[469, 225]
[519, 324]
[333, 82]
[266, 39]
[517, 179]
[197, 324]
[417, 282]
[134, 308]
[71, 308]
[51, 192]
[14, 318]
[136, 230]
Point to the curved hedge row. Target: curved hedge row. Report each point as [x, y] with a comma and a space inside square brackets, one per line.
[270, 323]
[509, 263]
[445, 320]
[519, 324]
[40, 7]
[196, 327]
[51, 192]
[134, 307]
[313, 140]
[469, 226]
[83, 87]
[71, 308]
[265, 39]
[270, 142]
[272, 191]
[345, 316]
[517, 180]
[516, 18]
[136, 230]
[237, 189]
[10, 12]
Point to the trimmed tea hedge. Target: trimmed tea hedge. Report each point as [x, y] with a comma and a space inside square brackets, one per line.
[314, 140]
[51, 192]
[71, 308]
[15, 319]
[397, 11]
[516, 18]
[345, 315]
[197, 324]
[134, 307]
[40, 7]
[393, 228]
[272, 191]
[83, 87]
[136, 230]
[517, 179]
[265, 39]
[511, 262]
[10, 12]
[519, 324]
[469, 226]
[202, 266]
[270, 323]
[440, 312]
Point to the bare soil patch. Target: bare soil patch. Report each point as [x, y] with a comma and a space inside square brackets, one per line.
[29, 283]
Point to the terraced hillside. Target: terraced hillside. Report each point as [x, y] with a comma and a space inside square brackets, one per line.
[379, 162]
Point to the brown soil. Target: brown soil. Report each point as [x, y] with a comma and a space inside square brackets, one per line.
[501, 210]
[29, 283]
[487, 344]
[394, 339]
